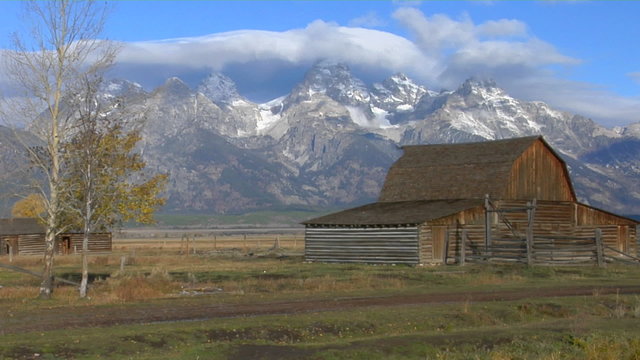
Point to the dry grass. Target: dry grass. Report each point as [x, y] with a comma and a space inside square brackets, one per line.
[125, 287]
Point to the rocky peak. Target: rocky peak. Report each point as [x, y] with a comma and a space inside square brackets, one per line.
[397, 93]
[118, 88]
[219, 88]
[480, 87]
[173, 87]
[335, 81]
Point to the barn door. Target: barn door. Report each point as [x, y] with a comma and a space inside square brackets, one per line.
[439, 234]
[623, 238]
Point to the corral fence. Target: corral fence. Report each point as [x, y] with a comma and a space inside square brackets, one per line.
[541, 250]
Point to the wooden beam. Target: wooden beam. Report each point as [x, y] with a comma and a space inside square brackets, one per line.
[599, 248]
[33, 273]
[463, 248]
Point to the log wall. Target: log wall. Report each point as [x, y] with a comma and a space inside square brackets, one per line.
[34, 244]
[390, 245]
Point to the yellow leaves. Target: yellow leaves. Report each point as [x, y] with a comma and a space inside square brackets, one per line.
[119, 188]
[30, 207]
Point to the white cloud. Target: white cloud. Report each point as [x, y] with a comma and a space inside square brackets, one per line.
[442, 53]
[503, 27]
[635, 76]
[319, 40]
[369, 20]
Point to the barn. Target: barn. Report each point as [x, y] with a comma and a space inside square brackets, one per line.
[25, 236]
[506, 200]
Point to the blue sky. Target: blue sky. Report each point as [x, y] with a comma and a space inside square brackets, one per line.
[580, 56]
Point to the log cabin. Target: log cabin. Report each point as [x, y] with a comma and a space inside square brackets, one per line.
[506, 200]
[25, 236]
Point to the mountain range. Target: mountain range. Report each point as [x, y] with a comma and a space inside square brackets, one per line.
[329, 142]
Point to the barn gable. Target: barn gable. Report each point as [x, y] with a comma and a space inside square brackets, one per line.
[522, 168]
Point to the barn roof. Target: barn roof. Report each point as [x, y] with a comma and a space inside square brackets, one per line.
[454, 171]
[20, 226]
[396, 213]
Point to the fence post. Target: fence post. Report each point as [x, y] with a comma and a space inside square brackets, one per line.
[487, 224]
[244, 240]
[463, 247]
[277, 245]
[215, 246]
[10, 253]
[599, 248]
[123, 259]
[446, 247]
[529, 234]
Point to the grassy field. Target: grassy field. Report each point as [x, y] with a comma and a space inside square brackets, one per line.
[161, 274]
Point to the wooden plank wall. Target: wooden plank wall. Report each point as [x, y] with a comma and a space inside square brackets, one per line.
[31, 244]
[552, 219]
[426, 244]
[539, 174]
[381, 245]
[34, 244]
[99, 242]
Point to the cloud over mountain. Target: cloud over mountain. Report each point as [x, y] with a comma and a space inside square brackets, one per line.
[439, 52]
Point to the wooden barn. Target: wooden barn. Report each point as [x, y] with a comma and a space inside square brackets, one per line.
[25, 236]
[506, 200]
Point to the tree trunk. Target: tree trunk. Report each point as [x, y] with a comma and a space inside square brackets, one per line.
[85, 266]
[46, 286]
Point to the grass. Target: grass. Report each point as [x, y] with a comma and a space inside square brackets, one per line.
[575, 328]
[587, 327]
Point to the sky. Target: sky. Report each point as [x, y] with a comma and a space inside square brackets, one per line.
[578, 56]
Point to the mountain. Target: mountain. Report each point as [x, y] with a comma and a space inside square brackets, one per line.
[331, 140]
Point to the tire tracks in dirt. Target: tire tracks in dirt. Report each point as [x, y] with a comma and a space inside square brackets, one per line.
[175, 311]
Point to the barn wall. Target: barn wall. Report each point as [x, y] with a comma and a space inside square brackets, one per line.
[34, 244]
[551, 219]
[31, 244]
[100, 242]
[426, 244]
[586, 215]
[539, 174]
[397, 245]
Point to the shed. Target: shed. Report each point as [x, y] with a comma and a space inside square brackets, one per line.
[507, 200]
[26, 236]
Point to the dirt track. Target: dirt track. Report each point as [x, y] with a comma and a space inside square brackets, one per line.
[81, 317]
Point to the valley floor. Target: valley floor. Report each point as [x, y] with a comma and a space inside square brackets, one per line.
[260, 303]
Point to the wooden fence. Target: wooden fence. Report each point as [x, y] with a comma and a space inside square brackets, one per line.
[548, 250]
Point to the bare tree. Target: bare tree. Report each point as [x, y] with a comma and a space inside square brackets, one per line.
[51, 64]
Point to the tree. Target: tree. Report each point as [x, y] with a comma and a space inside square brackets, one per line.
[62, 51]
[106, 177]
[30, 207]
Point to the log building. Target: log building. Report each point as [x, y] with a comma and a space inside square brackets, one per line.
[505, 200]
[25, 236]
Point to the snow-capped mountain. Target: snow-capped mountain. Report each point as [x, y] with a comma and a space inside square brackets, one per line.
[330, 141]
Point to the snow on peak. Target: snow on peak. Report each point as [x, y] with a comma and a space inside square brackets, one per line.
[118, 87]
[219, 89]
[397, 92]
[336, 81]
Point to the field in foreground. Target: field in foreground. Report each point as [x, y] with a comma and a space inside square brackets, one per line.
[251, 299]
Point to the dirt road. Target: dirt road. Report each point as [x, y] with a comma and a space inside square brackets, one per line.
[178, 310]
